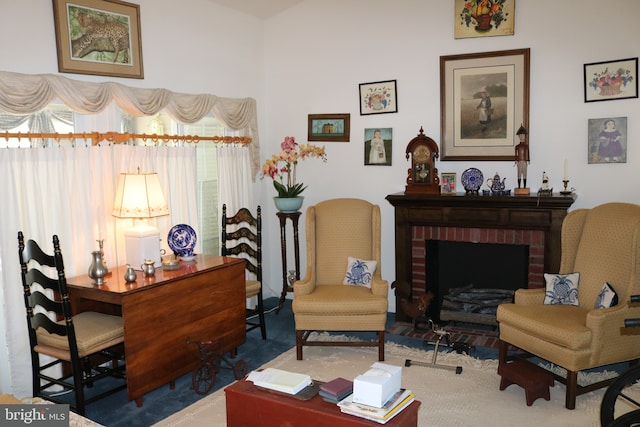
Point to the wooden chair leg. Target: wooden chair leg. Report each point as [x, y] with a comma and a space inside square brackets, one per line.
[381, 346]
[299, 344]
[572, 389]
[502, 352]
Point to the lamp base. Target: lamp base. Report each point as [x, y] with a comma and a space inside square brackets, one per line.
[142, 243]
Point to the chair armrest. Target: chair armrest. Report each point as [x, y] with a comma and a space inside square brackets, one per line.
[610, 342]
[379, 286]
[530, 296]
[306, 285]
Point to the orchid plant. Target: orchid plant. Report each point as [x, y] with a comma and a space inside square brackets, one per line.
[281, 167]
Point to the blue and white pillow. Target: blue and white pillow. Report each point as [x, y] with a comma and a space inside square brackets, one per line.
[561, 288]
[607, 297]
[359, 272]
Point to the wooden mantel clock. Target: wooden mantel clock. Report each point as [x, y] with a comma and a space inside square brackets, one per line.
[422, 177]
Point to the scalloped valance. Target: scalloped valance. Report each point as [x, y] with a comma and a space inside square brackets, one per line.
[27, 94]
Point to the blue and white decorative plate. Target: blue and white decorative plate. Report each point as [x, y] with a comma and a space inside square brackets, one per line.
[472, 179]
[182, 239]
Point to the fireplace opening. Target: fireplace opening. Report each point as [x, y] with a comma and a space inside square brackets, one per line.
[479, 272]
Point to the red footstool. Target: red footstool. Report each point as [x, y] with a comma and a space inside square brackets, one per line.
[533, 379]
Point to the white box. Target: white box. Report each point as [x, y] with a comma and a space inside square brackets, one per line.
[377, 385]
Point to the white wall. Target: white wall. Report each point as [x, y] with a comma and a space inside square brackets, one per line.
[318, 52]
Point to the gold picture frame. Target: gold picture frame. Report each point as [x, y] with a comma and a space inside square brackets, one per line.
[484, 99]
[85, 32]
[329, 127]
[448, 183]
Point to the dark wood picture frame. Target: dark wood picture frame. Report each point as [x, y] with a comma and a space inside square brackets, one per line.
[329, 127]
[378, 97]
[81, 27]
[465, 133]
[611, 80]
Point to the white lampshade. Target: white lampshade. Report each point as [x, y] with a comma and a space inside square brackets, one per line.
[139, 195]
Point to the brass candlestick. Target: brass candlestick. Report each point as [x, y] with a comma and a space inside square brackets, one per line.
[566, 191]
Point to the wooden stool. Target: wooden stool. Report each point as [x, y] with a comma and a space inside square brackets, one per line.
[533, 379]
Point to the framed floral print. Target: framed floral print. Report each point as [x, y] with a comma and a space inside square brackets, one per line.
[378, 98]
[609, 80]
[483, 18]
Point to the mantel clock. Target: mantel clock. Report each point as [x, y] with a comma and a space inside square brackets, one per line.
[422, 176]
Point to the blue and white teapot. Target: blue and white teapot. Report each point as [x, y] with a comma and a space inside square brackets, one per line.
[495, 184]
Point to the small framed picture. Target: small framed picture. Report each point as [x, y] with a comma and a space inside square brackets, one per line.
[609, 80]
[483, 18]
[377, 146]
[608, 140]
[448, 182]
[329, 127]
[378, 97]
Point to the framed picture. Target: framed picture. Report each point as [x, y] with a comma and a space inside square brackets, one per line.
[448, 182]
[377, 146]
[329, 127]
[484, 99]
[378, 98]
[608, 140]
[100, 37]
[605, 81]
[483, 18]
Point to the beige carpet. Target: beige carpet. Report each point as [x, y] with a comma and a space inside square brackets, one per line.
[472, 398]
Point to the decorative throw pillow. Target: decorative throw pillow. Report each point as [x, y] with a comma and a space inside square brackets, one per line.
[607, 297]
[359, 272]
[562, 288]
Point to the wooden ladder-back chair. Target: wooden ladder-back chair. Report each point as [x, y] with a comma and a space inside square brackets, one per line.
[343, 289]
[242, 237]
[85, 347]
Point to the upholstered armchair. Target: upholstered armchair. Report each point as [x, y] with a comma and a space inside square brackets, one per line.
[602, 245]
[335, 231]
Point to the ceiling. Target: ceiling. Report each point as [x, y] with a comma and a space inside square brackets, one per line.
[262, 9]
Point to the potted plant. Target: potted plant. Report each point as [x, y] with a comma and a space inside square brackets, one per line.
[282, 167]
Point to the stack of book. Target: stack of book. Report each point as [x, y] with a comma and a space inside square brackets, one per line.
[393, 407]
[336, 390]
[279, 380]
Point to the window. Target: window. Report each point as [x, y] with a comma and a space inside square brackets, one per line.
[57, 118]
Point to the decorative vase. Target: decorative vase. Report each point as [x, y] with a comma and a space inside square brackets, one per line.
[97, 269]
[288, 204]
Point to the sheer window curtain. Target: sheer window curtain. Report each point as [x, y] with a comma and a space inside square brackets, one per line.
[69, 192]
[234, 178]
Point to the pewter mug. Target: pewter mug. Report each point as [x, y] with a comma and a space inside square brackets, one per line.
[97, 269]
[130, 274]
[148, 268]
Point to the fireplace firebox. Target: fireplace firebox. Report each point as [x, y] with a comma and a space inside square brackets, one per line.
[533, 221]
[469, 279]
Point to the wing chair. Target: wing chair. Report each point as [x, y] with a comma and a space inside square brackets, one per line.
[337, 230]
[601, 245]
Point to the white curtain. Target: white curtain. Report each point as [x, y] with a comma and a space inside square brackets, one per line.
[69, 192]
[234, 179]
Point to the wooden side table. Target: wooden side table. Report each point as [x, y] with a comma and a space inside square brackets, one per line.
[294, 217]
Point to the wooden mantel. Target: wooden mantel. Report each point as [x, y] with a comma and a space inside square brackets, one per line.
[532, 212]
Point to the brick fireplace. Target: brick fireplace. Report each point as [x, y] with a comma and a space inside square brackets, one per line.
[522, 220]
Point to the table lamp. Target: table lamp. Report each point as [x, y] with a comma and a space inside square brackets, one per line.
[139, 196]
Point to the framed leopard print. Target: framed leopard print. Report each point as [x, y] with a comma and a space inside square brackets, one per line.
[99, 37]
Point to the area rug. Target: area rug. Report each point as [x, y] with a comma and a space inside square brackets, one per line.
[472, 398]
